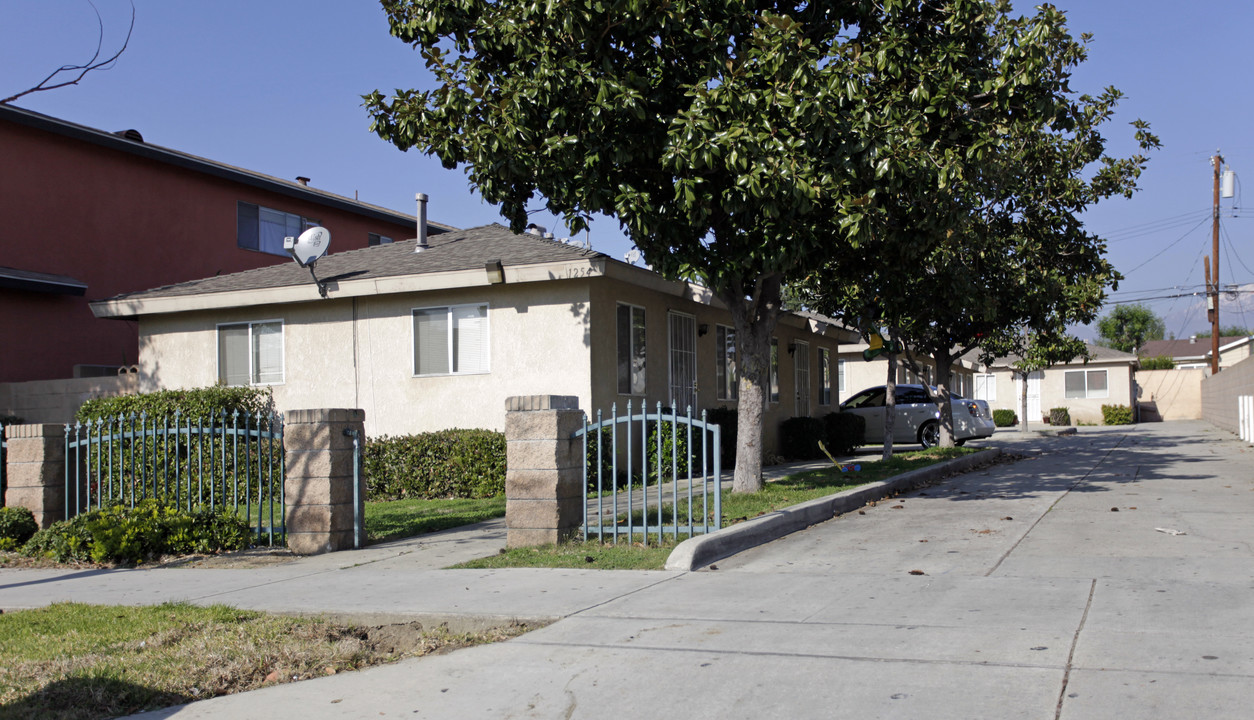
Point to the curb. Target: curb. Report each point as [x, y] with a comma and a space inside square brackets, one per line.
[697, 552]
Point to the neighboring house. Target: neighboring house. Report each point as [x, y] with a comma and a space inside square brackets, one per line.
[87, 214]
[1082, 388]
[439, 338]
[855, 373]
[1195, 351]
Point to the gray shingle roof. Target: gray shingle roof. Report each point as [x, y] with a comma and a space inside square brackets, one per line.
[448, 252]
[1185, 348]
[1097, 353]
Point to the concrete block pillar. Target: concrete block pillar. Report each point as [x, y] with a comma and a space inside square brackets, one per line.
[320, 515]
[544, 469]
[34, 475]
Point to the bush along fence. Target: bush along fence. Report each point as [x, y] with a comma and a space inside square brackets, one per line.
[296, 479]
[219, 461]
[640, 466]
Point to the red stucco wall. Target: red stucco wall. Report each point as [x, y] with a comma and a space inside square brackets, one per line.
[120, 223]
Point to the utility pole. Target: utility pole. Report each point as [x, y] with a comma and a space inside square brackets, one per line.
[1212, 280]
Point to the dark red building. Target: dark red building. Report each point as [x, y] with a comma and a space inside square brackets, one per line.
[87, 214]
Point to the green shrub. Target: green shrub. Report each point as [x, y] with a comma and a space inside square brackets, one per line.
[1158, 362]
[1116, 415]
[17, 525]
[196, 403]
[437, 465]
[799, 438]
[670, 441]
[1059, 416]
[121, 534]
[1005, 418]
[184, 468]
[843, 432]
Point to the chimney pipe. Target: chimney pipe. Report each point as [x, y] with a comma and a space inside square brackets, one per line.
[302, 180]
[422, 222]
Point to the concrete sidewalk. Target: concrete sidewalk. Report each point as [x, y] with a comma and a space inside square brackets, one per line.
[1010, 592]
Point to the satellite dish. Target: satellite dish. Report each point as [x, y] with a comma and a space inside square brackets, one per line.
[306, 249]
[311, 245]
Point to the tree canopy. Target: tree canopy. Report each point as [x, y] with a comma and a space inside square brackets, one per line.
[1127, 327]
[747, 144]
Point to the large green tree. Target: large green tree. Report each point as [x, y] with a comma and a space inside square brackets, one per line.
[1127, 327]
[1007, 251]
[740, 143]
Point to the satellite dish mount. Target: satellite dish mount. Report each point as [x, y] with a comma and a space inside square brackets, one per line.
[307, 249]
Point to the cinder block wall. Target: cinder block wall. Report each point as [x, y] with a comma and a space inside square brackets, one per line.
[1220, 392]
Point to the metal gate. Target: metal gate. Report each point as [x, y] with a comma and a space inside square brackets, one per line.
[651, 474]
[224, 461]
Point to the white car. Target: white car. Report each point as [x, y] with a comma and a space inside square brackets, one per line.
[918, 419]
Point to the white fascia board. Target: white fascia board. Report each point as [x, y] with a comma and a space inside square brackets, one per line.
[133, 306]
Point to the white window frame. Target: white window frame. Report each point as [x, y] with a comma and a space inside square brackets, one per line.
[487, 340]
[1088, 394]
[253, 371]
[840, 376]
[632, 349]
[726, 370]
[373, 239]
[990, 387]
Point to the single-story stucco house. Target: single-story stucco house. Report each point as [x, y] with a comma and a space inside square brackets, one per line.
[439, 338]
[1194, 352]
[1081, 387]
[856, 373]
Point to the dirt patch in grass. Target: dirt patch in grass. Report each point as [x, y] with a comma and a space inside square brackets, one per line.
[83, 662]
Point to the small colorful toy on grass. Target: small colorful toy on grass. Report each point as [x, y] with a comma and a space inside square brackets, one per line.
[849, 467]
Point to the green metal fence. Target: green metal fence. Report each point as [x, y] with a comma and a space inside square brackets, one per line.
[651, 474]
[223, 461]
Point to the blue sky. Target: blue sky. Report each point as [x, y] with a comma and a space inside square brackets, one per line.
[275, 86]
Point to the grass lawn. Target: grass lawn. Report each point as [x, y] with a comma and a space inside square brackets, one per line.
[80, 662]
[405, 518]
[737, 507]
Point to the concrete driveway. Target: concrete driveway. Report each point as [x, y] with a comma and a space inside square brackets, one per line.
[1106, 575]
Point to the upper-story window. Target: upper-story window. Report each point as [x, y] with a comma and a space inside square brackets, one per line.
[263, 229]
[373, 239]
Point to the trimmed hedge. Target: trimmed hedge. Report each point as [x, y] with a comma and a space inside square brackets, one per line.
[121, 534]
[1158, 362]
[455, 463]
[726, 418]
[799, 438]
[843, 432]
[1005, 418]
[17, 525]
[200, 402]
[1116, 415]
[1059, 416]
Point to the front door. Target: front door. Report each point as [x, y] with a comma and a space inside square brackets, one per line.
[682, 333]
[1034, 394]
[801, 363]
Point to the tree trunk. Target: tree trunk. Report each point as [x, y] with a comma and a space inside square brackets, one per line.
[890, 406]
[1023, 400]
[944, 399]
[755, 319]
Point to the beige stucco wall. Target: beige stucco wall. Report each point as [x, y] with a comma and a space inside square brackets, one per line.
[1235, 355]
[606, 296]
[1053, 391]
[359, 354]
[1170, 394]
[56, 401]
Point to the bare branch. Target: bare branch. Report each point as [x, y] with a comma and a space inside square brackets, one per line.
[93, 64]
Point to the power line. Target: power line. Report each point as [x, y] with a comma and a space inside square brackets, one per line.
[1173, 244]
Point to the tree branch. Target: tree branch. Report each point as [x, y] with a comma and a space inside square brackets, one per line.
[83, 69]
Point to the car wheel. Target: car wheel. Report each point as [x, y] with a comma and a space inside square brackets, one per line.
[959, 443]
[929, 434]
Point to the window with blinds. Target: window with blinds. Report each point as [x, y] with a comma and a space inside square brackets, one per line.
[251, 353]
[451, 340]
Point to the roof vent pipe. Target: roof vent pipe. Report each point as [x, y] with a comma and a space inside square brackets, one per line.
[422, 222]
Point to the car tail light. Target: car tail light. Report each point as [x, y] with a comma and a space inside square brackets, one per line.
[973, 409]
